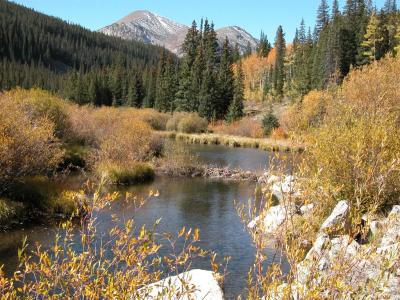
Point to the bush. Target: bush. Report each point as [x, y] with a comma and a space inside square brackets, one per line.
[269, 123]
[128, 141]
[192, 123]
[172, 124]
[245, 127]
[27, 143]
[157, 120]
[355, 152]
[187, 123]
[39, 104]
[127, 174]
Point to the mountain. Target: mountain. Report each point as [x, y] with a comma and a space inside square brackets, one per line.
[43, 51]
[153, 29]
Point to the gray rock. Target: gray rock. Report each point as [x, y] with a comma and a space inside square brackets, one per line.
[274, 218]
[338, 218]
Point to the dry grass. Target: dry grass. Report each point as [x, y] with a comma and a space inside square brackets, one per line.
[266, 144]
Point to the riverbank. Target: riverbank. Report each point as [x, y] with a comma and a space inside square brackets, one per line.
[265, 144]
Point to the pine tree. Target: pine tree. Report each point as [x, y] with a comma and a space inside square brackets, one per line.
[279, 69]
[225, 81]
[207, 95]
[335, 9]
[135, 92]
[390, 6]
[264, 46]
[372, 38]
[236, 107]
[166, 87]
[322, 16]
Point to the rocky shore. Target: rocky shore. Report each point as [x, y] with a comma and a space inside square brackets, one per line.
[366, 268]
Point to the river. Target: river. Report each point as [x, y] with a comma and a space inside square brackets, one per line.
[192, 202]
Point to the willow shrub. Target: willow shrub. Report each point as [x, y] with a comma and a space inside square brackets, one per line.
[187, 123]
[38, 104]
[28, 145]
[355, 153]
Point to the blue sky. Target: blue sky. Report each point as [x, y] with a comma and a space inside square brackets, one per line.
[252, 15]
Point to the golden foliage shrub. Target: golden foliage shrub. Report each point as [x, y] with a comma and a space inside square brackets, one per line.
[309, 113]
[28, 145]
[193, 123]
[245, 127]
[157, 120]
[38, 104]
[187, 123]
[127, 140]
[172, 124]
[355, 153]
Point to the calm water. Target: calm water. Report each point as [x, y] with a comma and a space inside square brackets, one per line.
[198, 203]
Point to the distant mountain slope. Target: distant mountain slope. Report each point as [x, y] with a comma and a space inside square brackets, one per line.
[37, 50]
[153, 29]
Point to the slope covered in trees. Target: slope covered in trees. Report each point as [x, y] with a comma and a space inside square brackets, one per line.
[38, 50]
[318, 57]
[88, 67]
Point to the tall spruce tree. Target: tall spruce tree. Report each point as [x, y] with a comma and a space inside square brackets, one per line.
[279, 69]
[264, 46]
[226, 81]
[322, 16]
[236, 107]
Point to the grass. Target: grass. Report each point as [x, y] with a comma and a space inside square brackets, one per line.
[130, 174]
[266, 144]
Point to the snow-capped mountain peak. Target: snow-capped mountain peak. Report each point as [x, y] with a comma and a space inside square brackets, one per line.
[148, 27]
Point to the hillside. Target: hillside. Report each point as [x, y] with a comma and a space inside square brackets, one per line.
[36, 49]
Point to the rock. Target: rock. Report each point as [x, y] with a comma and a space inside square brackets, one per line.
[392, 232]
[375, 226]
[193, 285]
[282, 187]
[274, 218]
[306, 209]
[338, 218]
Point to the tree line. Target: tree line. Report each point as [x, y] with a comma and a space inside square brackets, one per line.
[91, 68]
[340, 40]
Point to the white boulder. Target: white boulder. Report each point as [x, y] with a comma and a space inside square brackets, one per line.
[191, 285]
[274, 218]
[337, 219]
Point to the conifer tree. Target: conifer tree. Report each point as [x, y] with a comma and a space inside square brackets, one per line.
[264, 46]
[236, 107]
[207, 95]
[372, 38]
[279, 69]
[226, 81]
[135, 92]
[322, 16]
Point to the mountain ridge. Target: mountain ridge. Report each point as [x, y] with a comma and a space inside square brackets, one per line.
[151, 28]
